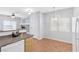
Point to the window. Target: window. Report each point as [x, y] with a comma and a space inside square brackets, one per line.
[9, 25]
[54, 24]
[64, 24]
[61, 24]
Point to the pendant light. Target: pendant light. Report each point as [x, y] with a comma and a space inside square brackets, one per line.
[54, 14]
[13, 15]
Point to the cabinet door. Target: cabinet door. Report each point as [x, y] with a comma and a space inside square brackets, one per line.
[15, 47]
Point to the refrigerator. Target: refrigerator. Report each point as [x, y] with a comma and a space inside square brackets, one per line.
[75, 34]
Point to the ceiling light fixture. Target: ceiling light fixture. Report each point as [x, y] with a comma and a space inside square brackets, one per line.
[13, 15]
[29, 11]
[54, 16]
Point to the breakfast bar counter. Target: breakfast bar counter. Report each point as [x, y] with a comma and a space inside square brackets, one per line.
[8, 39]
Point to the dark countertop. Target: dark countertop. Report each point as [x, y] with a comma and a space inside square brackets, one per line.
[8, 39]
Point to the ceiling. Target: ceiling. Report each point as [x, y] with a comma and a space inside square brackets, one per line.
[21, 11]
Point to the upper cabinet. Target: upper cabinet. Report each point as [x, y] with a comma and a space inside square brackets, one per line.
[25, 21]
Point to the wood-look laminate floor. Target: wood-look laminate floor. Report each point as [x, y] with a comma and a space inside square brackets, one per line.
[48, 45]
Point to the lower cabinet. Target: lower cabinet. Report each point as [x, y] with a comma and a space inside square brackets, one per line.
[28, 45]
[14, 47]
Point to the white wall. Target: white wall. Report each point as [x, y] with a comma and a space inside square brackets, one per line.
[41, 25]
[62, 36]
[76, 11]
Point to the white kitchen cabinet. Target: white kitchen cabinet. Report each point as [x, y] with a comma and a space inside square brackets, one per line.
[14, 47]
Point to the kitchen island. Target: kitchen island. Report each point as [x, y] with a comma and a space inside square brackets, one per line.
[8, 39]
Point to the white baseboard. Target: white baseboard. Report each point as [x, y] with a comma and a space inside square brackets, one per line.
[37, 37]
[58, 40]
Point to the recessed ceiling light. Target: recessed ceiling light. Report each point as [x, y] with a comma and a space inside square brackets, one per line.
[29, 11]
